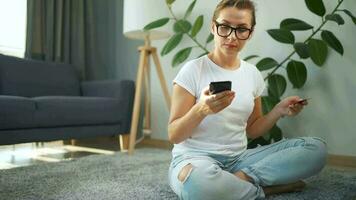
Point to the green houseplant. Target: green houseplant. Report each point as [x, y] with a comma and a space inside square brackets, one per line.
[314, 47]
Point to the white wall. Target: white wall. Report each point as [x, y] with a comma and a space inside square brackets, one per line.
[331, 112]
[13, 27]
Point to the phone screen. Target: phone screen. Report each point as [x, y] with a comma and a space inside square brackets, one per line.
[219, 86]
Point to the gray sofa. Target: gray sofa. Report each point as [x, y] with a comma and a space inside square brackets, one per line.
[41, 101]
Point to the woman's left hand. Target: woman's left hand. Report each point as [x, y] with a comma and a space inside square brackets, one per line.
[290, 106]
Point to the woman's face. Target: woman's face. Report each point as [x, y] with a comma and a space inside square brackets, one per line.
[235, 18]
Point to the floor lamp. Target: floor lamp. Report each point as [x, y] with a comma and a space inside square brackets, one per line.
[137, 14]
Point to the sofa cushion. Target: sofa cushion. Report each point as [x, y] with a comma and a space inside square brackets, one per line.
[16, 112]
[55, 111]
[30, 78]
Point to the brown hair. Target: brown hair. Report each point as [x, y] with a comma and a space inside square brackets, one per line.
[239, 4]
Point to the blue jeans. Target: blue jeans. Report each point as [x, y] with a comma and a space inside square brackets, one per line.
[212, 176]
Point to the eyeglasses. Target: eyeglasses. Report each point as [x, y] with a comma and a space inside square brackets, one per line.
[225, 31]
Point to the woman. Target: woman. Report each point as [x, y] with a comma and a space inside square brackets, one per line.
[210, 158]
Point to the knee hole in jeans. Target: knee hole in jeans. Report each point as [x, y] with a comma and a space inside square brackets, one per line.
[185, 172]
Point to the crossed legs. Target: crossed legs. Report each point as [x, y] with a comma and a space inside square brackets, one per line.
[282, 165]
[275, 168]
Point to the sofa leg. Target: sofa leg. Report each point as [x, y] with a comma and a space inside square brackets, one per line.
[124, 142]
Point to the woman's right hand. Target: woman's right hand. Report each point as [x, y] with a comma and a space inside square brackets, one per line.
[214, 103]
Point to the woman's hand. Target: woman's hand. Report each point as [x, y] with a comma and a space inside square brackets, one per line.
[290, 106]
[214, 103]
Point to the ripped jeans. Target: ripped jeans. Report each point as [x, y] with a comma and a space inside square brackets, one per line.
[212, 176]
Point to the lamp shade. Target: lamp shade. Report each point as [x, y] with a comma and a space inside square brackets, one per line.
[138, 13]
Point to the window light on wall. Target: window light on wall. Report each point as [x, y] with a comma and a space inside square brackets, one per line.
[13, 27]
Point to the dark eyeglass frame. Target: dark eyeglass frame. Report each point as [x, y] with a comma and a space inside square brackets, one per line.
[217, 24]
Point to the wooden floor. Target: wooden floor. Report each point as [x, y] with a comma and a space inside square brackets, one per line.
[34, 153]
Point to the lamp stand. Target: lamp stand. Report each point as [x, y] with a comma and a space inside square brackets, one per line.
[143, 75]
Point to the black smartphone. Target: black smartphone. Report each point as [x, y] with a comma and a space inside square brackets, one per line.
[219, 86]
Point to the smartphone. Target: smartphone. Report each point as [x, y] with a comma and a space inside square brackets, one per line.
[219, 86]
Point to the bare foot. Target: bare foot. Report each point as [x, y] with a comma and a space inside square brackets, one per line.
[291, 187]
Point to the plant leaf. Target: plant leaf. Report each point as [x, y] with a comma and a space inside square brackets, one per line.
[209, 38]
[189, 10]
[266, 63]
[171, 43]
[257, 141]
[277, 85]
[295, 25]
[350, 15]
[181, 56]
[282, 35]
[202, 54]
[250, 57]
[316, 6]
[297, 73]
[302, 50]
[156, 24]
[332, 41]
[336, 18]
[197, 25]
[169, 2]
[268, 104]
[318, 51]
[182, 26]
[275, 133]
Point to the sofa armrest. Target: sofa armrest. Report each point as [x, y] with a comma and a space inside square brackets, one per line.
[123, 90]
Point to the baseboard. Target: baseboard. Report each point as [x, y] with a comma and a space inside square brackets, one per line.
[162, 144]
[342, 161]
[335, 160]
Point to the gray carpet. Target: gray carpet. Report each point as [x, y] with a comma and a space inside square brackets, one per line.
[142, 176]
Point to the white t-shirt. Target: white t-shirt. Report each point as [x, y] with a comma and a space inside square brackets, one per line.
[224, 132]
